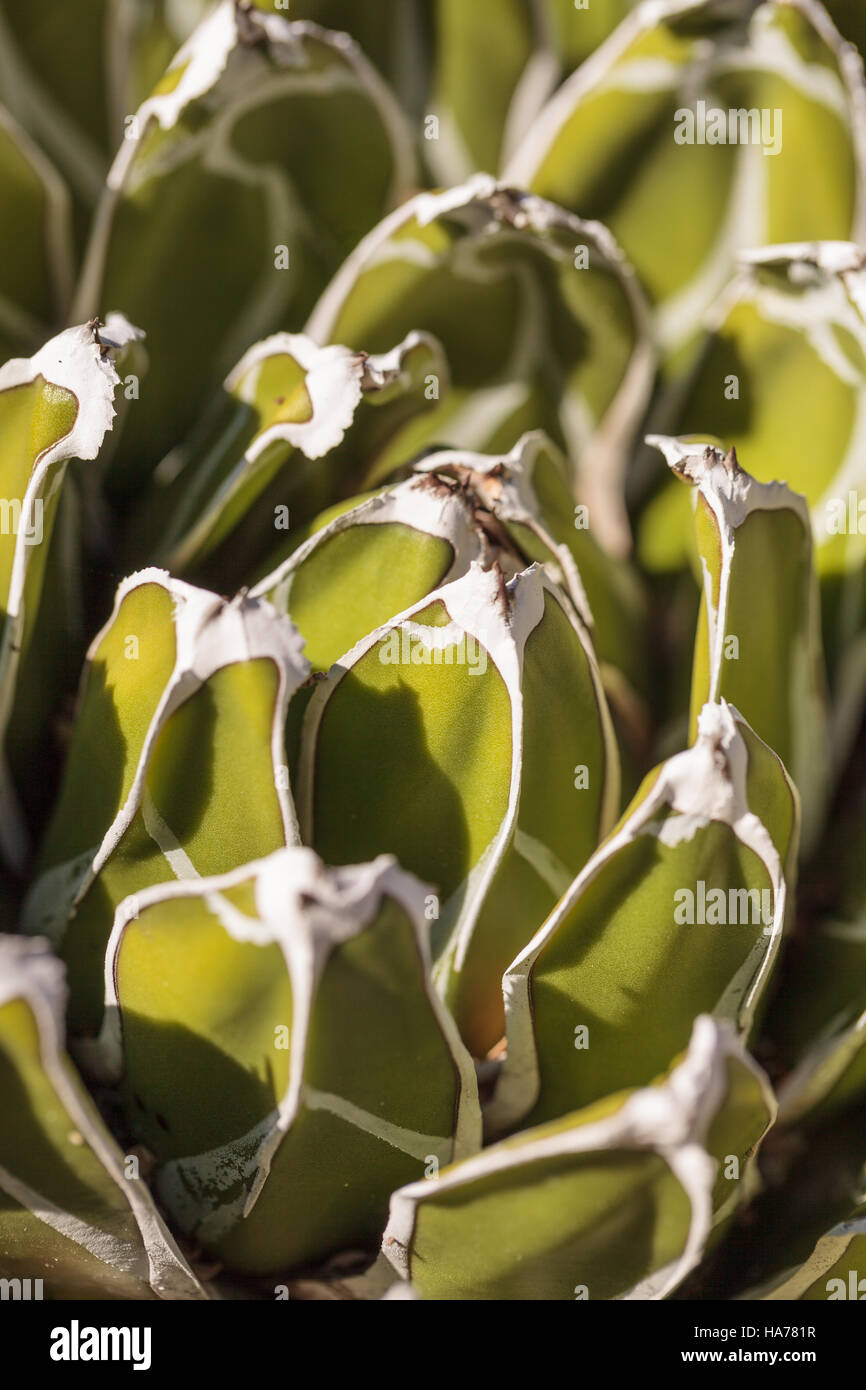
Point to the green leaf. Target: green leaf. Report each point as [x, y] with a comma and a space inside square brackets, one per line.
[54, 77]
[292, 423]
[176, 767]
[679, 912]
[363, 564]
[75, 1213]
[430, 739]
[459, 506]
[529, 491]
[541, 320]
[278, 1133]
[649, 122]
[54, 406]
[371, 562]
[73, 75]
[615, 1201]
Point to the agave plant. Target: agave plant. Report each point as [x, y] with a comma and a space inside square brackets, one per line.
[432, 667]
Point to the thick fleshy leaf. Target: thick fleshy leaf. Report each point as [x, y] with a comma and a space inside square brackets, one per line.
[372, 561]
[290, 431]
[54, 406]
[615, 1201]
[217, 226]
[541, 320]
[364, 564]
[430, 739]
[748, 111]
[679, 912]
[74, 1213]
[758, 643]
[73, 76]
[279, 1135]
[782, 380]
[176, 767]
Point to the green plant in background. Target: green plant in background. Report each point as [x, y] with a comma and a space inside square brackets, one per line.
[789, 166]
[431, 649]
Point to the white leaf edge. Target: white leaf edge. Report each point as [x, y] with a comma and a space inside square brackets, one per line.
[337, 380]
[831, 279]
[412, 503]
[447, 516]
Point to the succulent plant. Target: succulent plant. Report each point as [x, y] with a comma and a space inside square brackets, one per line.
[432, 632]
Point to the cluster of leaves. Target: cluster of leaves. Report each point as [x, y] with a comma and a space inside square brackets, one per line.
[444, 877]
